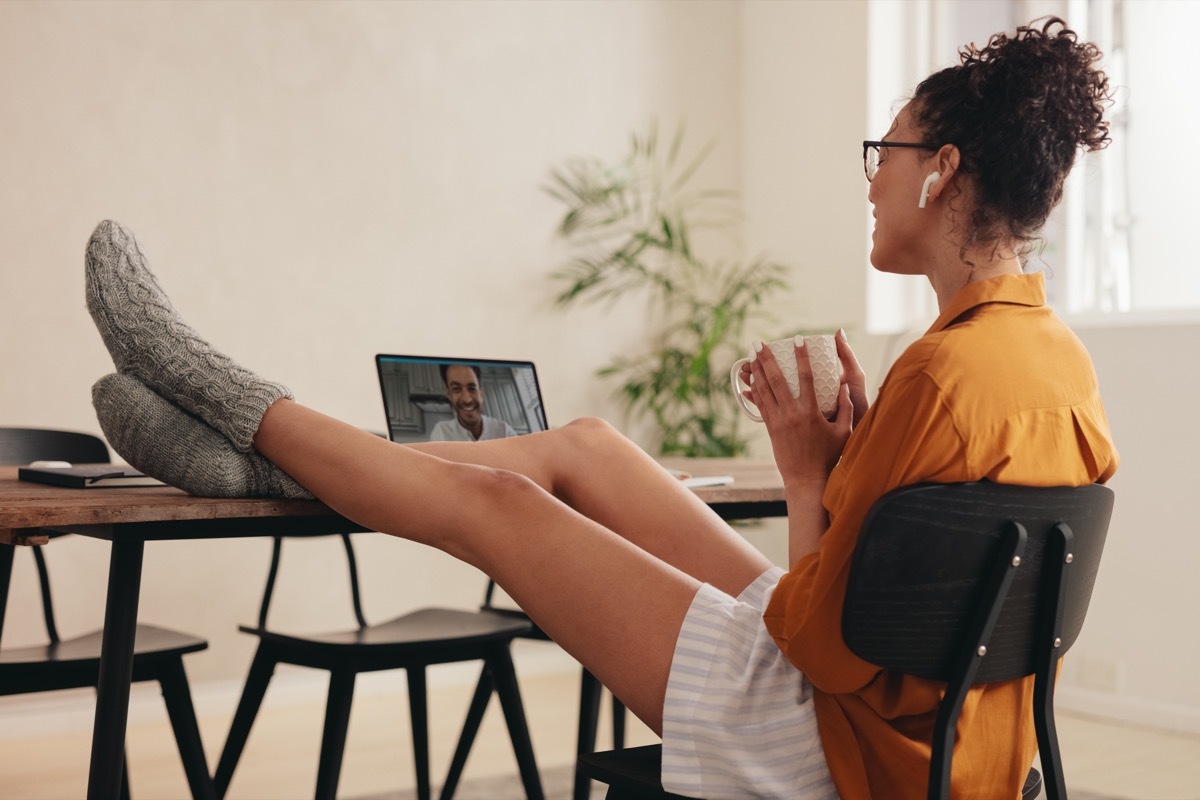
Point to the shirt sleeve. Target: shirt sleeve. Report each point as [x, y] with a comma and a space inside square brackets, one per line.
[907, 437]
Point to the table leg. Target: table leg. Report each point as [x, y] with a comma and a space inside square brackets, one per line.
[116, 669]
[6, 562]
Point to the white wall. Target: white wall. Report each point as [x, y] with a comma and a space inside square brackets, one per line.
[315, 183]
[296, 170]
[1135, 659]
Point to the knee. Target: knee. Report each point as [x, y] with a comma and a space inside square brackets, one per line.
[489, 485]
[592, 431]
[598, 438]
[481, 504]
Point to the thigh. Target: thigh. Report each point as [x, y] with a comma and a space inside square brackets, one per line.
[612, 605]
[597, 471]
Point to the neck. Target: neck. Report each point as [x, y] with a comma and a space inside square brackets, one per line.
[972, 266]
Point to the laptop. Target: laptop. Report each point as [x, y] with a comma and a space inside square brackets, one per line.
[436, 398]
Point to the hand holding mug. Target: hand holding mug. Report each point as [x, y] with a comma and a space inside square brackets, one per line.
[826, 372]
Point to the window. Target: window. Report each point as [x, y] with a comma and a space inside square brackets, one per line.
[1125, 225]
[1120, 242]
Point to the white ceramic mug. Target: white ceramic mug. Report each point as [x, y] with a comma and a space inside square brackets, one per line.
[826, 370]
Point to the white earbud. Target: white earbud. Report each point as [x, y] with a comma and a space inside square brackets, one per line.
[929, 181]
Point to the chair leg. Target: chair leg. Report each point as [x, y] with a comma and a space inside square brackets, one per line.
[125, 776]
[173, 680]
[589, 720]
[418, 708]
[618, 723]
[1054, 578]
[6, 562]
[252, 696]
[333, 739]
[500, 662]
[479, 703]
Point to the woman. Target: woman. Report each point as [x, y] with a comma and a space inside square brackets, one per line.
[739, 666]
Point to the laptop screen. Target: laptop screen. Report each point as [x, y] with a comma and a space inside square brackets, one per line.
[428, 398]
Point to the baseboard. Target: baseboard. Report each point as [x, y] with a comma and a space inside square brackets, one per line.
[1126, 709]
[73, 711]
[53, 713]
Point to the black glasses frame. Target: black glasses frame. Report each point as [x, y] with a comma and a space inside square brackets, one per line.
[868, 145]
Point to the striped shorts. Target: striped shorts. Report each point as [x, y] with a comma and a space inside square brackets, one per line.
[738, 718]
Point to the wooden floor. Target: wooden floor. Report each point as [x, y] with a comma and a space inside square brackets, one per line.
[280, 759]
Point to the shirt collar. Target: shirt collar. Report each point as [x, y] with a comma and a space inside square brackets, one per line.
[1022, 290]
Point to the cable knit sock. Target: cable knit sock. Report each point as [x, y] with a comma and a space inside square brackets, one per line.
[167, 443]
[148, 340]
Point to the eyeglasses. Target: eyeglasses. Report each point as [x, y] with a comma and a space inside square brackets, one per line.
[871, 154]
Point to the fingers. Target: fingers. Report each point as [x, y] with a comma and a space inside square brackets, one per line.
[772, 392]
[764, 369]
[850, 366]
[804, 389]
[853, 375]
[845, 409]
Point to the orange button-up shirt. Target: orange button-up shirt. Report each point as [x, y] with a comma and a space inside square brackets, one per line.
[998, 389]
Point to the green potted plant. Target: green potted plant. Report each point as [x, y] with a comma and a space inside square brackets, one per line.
[632, 229]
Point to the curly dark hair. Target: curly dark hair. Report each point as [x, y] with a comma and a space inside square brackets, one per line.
[1018, 110]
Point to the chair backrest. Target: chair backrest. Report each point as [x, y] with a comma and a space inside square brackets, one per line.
[976, 583]
[273, 572]
[21, 446]
[924, 553]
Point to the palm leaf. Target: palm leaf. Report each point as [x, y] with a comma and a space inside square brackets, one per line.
[630, 226]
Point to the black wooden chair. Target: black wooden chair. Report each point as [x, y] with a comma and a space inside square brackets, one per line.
[963, 583]
[75, 663]
[410, 642]
[590, 690]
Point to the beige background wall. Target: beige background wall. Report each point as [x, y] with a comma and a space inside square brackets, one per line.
[299, 172]
[315, 183]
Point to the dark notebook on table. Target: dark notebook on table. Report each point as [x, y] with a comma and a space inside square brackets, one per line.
[88, 476]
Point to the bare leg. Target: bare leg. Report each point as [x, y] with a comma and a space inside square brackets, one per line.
[600, 473]
[610, 604]
[616, 605]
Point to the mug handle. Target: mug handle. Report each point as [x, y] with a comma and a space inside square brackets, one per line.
[735, 379]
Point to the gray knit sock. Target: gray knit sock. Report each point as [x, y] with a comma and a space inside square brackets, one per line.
[167, 443]
[148, 340]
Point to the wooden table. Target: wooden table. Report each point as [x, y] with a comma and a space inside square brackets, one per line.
[131, 517]
[756, 491]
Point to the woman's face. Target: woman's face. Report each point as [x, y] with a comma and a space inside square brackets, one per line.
[900, 242]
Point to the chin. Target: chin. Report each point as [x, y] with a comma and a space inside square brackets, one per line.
[878, 262]
[881, 263]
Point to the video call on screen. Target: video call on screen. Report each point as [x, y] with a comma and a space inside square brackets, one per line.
[417, 399]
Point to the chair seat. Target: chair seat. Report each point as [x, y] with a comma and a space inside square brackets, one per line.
[636, 774]
[149, 641]
[74, 663]
[534, 631]
[419, 629]
[1033, 785]
[411, 642]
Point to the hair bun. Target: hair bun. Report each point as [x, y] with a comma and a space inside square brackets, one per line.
[1044, 74]
[1018, 110]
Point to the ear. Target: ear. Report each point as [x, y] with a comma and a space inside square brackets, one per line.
[946, 163]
